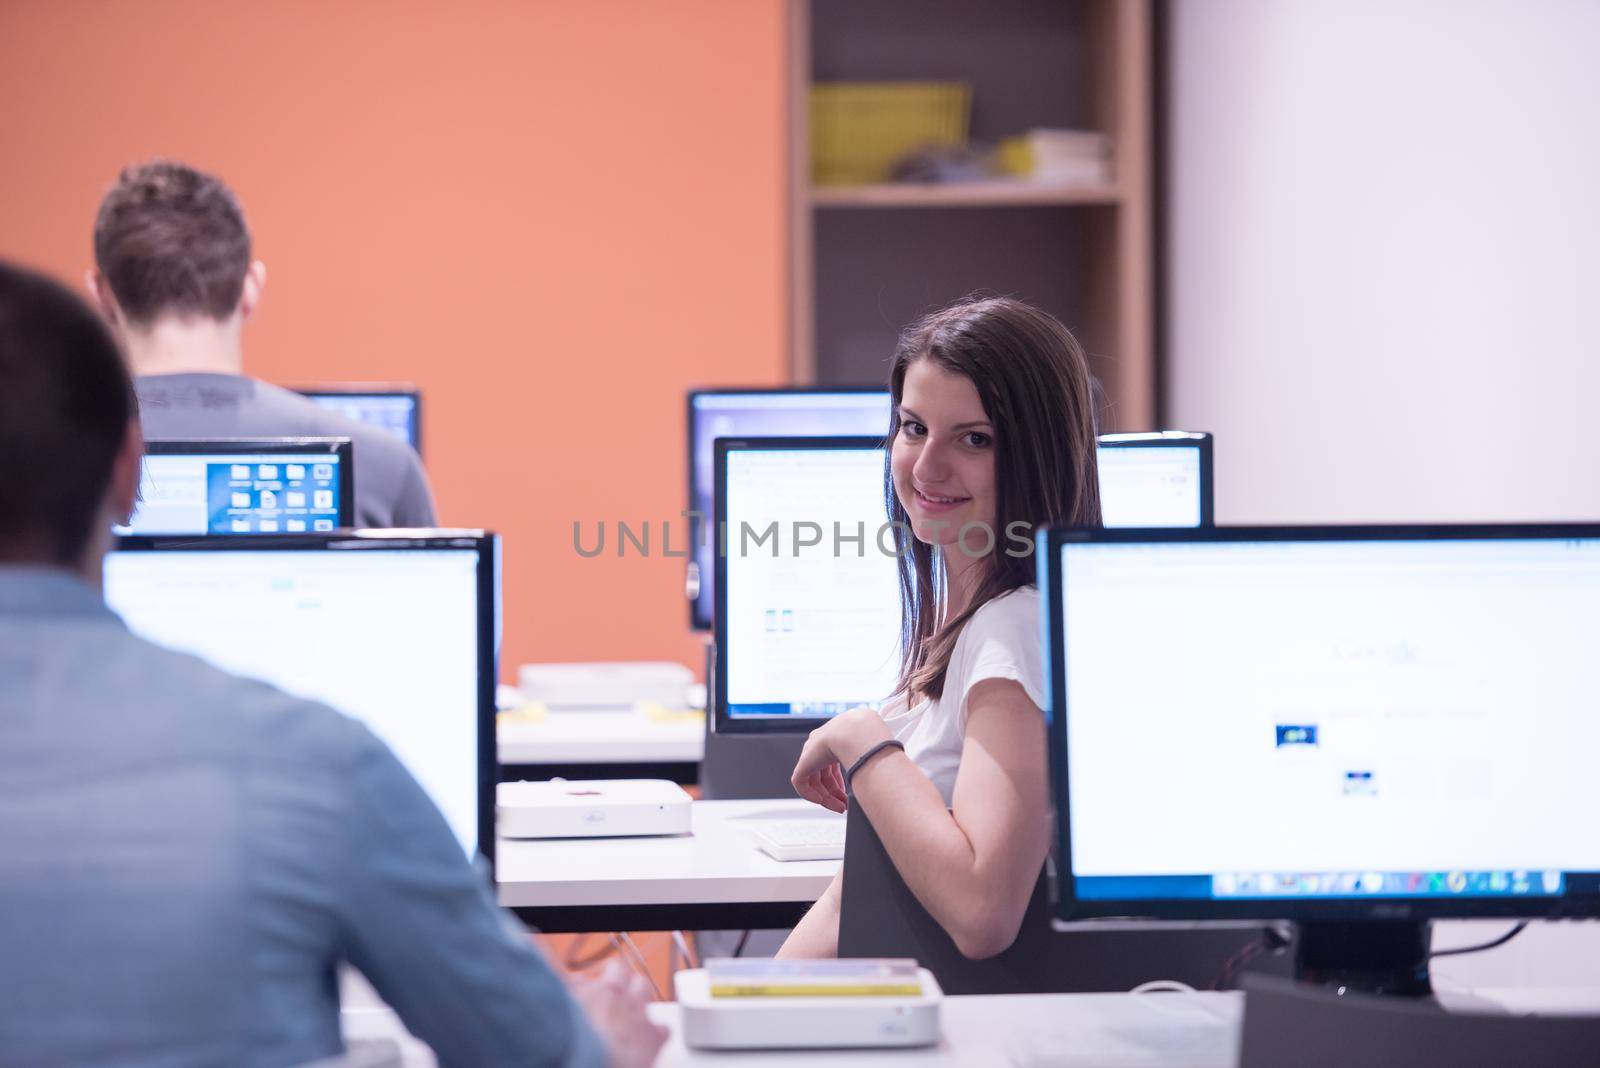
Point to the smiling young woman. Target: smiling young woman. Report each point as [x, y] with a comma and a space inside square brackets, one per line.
[992, 434]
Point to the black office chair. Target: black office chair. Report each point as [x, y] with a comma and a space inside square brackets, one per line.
[749, 767]
[880, 917]
[1310, 1027]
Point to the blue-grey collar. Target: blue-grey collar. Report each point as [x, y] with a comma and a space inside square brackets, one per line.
[37, 590]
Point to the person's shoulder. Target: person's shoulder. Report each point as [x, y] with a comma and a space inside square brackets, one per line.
[1001, 641]
[1013, 610]
[1008, 621]
[227, 712]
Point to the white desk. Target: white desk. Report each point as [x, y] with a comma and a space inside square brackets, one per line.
[714, 878]
[589, 738]
[974, 1032]
[976, 1029]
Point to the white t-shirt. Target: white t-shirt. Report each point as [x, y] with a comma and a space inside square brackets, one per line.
[1000, 641]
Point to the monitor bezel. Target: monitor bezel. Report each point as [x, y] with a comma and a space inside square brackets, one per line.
[721, 721]
[697, 622]
[375, 389]
[339, 448]
[487, 546]
[1159, 439]
[1068, 908]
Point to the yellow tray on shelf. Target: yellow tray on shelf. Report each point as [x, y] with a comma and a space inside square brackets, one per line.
[859, 129]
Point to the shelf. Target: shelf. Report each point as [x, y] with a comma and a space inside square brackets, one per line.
[990, 194]
[867, 259]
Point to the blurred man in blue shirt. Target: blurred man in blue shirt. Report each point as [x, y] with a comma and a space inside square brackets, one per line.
[186, 858]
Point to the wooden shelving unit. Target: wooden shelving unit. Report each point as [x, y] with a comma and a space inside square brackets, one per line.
[991, 194]
[866, 260]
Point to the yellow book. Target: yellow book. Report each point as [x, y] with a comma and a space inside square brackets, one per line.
[868, 977]
[825, 990]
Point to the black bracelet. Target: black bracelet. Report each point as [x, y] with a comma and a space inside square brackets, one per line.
[868, 755]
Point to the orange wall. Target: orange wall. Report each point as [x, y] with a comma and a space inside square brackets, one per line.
[553, 216]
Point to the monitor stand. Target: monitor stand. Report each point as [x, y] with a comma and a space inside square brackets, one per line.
[1372, 957]
[744, 767]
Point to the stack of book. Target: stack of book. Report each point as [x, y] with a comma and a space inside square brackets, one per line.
[864, 978]
[808, 1004]
[1069, 157]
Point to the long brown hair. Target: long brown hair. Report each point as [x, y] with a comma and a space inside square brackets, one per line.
[1033, 380]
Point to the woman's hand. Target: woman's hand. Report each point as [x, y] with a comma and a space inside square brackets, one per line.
[819, 775]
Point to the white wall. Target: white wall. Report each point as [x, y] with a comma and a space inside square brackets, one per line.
[1384, 280]
[1384, 258]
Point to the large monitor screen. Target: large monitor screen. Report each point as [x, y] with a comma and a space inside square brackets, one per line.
[1162, 479]
[396, 409]
[396, 632]
[750, 413]
[808, 620]
[1304, 722]
[269, 486]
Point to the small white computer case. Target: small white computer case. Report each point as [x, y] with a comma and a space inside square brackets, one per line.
[601, 808]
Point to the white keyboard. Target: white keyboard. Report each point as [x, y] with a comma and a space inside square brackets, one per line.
[811, 839]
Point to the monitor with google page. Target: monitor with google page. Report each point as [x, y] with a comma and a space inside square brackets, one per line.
[1357, 728]
[1158, 479]
[396, 629]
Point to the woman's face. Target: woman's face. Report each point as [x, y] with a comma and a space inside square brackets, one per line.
[942, 459]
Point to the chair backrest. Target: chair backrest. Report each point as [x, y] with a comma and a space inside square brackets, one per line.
[749, 767]
[1310, 1027]
[880, 917]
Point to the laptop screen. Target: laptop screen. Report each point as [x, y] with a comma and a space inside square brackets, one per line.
[291, 486]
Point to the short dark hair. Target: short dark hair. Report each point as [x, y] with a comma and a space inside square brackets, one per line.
[65, 402]
[170, 239]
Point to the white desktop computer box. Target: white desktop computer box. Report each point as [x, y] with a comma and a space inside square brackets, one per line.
[602, 808]
[614, 686]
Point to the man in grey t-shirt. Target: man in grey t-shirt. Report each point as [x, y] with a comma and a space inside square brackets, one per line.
[174, 279]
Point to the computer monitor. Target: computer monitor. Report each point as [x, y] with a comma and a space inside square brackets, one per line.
[395, 408]
[1359, 728]
[396, 630]
[807, 619]
[1161, 479]
[749, 413]
[850, 605]
[239, 486]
